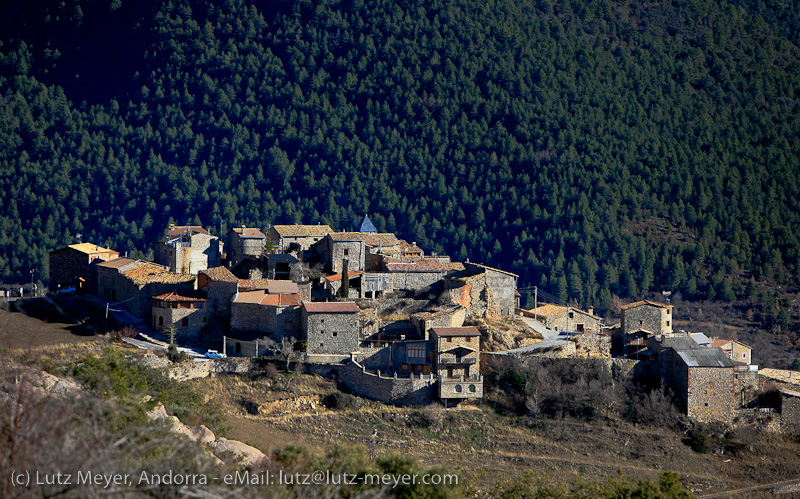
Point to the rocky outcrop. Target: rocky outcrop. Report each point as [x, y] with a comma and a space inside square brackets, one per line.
[241, 452]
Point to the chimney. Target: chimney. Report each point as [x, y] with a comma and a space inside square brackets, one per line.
[591, 310]
[171, 226]
[244, 227]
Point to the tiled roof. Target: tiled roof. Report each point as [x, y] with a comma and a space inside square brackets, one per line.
[180, 229]
[146, 273]
[718, 343]
[90, 248]
[249, 233]
[406, 247]
[453, 266]
[374, 239]
[282, 287]
[645, 302]
[548, 310]
[302, 230]
[493, 269]
[181, 296]
[416, 266]
[456, 331]
[251, 284]
[117, 263]
[338, 277]
[331, 307]
[220, 274]
[261, 297]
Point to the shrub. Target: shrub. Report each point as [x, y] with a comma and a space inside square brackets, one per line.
[341, 401]
[698, 441]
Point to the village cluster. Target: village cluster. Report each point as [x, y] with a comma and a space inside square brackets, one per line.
[396, 324]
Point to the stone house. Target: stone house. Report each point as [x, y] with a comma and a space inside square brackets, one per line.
[790, 411]
[457, 362]
[73, 265]
[303, 236]
[641, 320]
[356, 247]
[566, 319]
[243, 243]
[333, 284]
[414, 275]
[246, 344]
[484, 291]
[282, 266]
[703, 378]
[108, 274]
[265, 312]
[188, 250]
[735, 350]
[220, 286]
[183, 311]
[410, 250]
[447, 317]
[413, 356]
[330, 328]
[137, 285]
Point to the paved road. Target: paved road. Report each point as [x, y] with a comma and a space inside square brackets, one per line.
[551, 338]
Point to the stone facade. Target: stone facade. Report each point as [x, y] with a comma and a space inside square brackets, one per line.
[185, 314]
[592, 345]
[649, 317]
[330, 328]
[237, 347]
[243, 243]
[414, 390]
[484, 291]
[334, 248]
[565, 319]
[790, 411]
[457, 361]
[423, 322]
[274, 314]
[72, 263]
[304, 236]
[108, 274]
[735, 350]
[504, 286]
[188, 252]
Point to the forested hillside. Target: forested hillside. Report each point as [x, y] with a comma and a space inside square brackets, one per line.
[594, 147]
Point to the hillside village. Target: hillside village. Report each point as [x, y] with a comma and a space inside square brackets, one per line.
[395, 324]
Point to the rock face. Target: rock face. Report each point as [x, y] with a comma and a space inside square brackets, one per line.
[242, 453]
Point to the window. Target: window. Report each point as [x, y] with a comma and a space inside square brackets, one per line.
[469, 339]
[205, 320]
[185, 322]
[667, 323]
[641, 322]
[472, 388]
[579, 328]
[571, 315]
[346, 251]
[449, 339]
[459, 388]
[416, 352]
[160, 321]
[238, 347]
[334, 334]
[744, 355]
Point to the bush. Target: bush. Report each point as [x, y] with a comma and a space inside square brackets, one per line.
[176, 356]
[339, 401]
[698, 441]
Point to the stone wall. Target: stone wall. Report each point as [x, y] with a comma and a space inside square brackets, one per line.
[711, 394]
[219, 298]
[790, 414]
[164, 317]
[592, 345]
[374, 358]
[202, 369]
[450, 317]
[504, 287]
[415, 390]
[653, 319]
[470, 387]
[414, 281]
[331, 333]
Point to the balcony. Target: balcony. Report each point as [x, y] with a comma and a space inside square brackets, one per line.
[457, 360]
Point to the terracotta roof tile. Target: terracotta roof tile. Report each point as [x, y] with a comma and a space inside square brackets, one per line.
[282, 287]
[416, 266]
[338, 277]
[180, 229]
[331, 307]
[261, 297]
[456, 331]
[146, 273]
[90, 248]
[220, 274]
[117, 263]
[181, 296]
[373, 239]
[249, 233]
[302, 230]
[645, 302]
